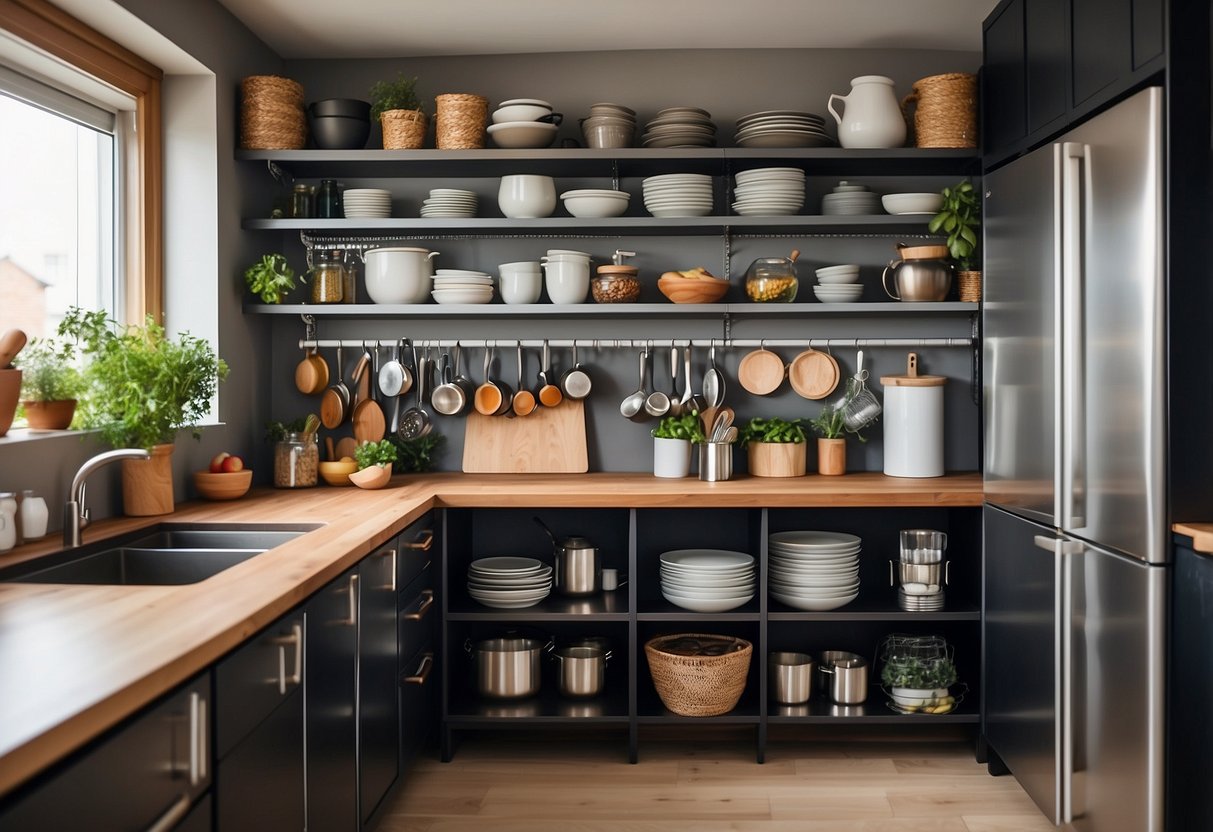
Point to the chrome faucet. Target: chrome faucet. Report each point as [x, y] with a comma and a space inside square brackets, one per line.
[75, 513]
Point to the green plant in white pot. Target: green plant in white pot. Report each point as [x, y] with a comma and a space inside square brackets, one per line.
[672, 440]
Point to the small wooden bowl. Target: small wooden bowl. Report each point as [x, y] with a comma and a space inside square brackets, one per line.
[223, 486]
[690, 290]
[337, 473]
[371, 478]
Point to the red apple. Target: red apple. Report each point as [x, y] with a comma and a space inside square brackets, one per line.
[232, 464]
[217, 462]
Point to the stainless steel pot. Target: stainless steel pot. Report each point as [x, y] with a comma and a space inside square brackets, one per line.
[918, 280]
[578, 564]
[828, 658]
[582, 670]
[791, 677]
[508, 668]
[848, 680]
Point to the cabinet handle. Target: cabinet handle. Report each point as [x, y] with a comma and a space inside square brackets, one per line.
[197, 704]
[423, 671]
[295, 639]
[392, 582]
[353, 600]
[419, 613]
[423, 541]
[173, 814]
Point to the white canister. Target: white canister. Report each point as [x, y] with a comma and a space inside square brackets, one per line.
[8, 520]
[567, 278]
[671, 458]
[913, 423]
[34, 516]
[400, 274]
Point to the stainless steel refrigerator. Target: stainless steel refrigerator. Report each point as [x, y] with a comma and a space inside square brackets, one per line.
[1075, 549]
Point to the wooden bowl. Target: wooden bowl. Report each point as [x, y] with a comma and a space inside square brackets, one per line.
[223, 486]
[690, 290]
[371, 478]
[337, 473]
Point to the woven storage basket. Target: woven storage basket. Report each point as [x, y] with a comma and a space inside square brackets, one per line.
[271, 113]
[403, 129]
[946, 112]
[969, 283]
[699, 685]
[460, 121]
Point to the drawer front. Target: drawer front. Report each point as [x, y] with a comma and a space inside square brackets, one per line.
[418, 545]
[255, 679]
[418, 611]
[418, 702]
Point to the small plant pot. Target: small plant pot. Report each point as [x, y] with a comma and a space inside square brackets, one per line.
[147, 484]
[671, 458]
[403, 129]
[371, 478]
[969, 283]
[831, 457]
[56, 415]
[10, 393]
[777, 459]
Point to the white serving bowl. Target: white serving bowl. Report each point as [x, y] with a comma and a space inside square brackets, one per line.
[918, 203]
[519, 287]
[523, 134]
[596, 203]
[838, 279]
[523, 110]
[708, 605]
[527, 196]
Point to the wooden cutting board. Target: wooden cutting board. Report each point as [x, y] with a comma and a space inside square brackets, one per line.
[549, 441]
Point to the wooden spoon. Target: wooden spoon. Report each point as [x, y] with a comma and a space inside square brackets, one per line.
[369, 422]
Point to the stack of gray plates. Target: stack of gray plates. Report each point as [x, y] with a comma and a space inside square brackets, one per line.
[812, 570]
[509, 583]
[769, 192]
[850, 200]
[782, 128]
[678, 195]
[450, 202]
[680, 127]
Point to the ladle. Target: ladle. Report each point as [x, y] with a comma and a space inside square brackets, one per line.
[713, 381]
[632, 407]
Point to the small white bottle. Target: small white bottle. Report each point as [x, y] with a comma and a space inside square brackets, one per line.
[8, 520]
[34, 515]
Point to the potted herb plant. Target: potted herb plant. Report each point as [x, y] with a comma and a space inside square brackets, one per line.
[50, 383]
[831, 441]
[959, 218]
[271, 278]
[672, 440]
[374, 464]
[918, 672]
[775, 447]
[142, 387]
[396, 105]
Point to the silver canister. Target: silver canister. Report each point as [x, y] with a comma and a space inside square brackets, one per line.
[923, 545]
[508, 668]
[578, 568]
[791, 677]
[848, 680]
[826, 660]
[715, 461]
[582, 670]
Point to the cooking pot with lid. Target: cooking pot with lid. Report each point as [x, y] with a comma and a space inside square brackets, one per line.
[508, 668]
[578, 566]
[922, 274]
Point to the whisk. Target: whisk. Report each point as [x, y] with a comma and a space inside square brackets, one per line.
[860, 408]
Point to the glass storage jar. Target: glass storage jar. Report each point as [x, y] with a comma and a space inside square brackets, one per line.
[615, 284]
[328, 275]
[296, 461]
[772, 279]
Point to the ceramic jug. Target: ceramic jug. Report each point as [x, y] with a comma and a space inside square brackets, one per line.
[872, 117]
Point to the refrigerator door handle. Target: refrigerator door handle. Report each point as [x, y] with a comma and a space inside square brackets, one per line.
[1063, 683]
[1073, 398]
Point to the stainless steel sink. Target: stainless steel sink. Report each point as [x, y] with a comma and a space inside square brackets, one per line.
[171, 553]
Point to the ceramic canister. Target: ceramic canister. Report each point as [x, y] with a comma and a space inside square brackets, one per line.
[913, 423]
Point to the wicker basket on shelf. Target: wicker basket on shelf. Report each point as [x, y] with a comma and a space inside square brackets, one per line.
[697, 674]
[461, 121]
[403, 129]
[271, 113]
[946, 111]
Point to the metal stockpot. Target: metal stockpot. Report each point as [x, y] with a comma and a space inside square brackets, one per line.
[791, 677]
[508, 668]
[578, 564]
[582, 670]
[848, 680]
[828, 658]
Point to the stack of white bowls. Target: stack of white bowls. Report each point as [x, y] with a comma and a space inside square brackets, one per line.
[680, 127]
[462, 286]
[782, 128]
[838, 284]
[520, 282]
[367, 203]
[815, 571]
[850, 200]
[707, 580]
[609, 125]
[596, 202]
[450, 202]
[509, 583]
[566, 275]
[678, 195]
[772, 192]
[524, 123]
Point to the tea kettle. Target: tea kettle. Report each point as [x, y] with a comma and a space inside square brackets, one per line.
[578, 565]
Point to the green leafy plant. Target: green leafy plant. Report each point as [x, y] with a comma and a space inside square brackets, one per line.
[959, 218]
[277, 431]
[416, 456]
[687, 426]
[828, 424]
[142, 386]
[400, 94]
[775, 430]
[381, 453]
[49, 372]
[918, 673]
[271, 278]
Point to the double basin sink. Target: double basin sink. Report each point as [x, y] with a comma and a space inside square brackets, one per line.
[161, 555]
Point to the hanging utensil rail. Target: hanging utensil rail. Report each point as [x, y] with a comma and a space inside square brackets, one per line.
[634, 344]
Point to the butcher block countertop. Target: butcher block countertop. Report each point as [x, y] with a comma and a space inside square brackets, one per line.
[76, 660]
[1201, 534]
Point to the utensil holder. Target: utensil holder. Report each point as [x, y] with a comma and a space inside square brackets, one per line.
[715, 461]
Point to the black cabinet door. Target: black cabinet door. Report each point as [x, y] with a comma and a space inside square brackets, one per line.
[259, 785]
[1047, 50]
[1147, 30]
[330, 667]
[378, 661]
[418, 703]
[1003, 78]
[1101, 44]
[1190, 682]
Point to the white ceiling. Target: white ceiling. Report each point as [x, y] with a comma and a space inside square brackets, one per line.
[395, 29]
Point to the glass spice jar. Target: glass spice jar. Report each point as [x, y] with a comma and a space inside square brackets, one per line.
[301, 202]
[296, 461]
[328, 200]
[328, 276]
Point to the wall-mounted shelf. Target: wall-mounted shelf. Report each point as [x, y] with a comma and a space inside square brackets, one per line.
[613, 310]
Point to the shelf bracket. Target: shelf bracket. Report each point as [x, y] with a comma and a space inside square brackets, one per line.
[309, 326]
[727, 320]
[281, 175]
[727, 253]
[614, 174]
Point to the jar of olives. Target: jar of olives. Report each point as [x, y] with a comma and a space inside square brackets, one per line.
[772, 279]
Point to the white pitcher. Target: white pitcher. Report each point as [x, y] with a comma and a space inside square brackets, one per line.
[872, 117]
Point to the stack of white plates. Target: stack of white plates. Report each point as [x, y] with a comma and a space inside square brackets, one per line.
[509, 583]
[814, 571]
[850, 200]
[450, 202]
[772, 192]
[680, 127]
[462, 286]
[707, 580]
[678, 195]
[373, 203]
[838, 284]
[782, 128]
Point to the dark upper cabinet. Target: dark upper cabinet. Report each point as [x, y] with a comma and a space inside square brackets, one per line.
[1004, 91]
[1046, 48]
[1102, 45]
[1147, 30]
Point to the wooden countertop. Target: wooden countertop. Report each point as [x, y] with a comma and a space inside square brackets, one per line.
[1201, 534]
[76, 660]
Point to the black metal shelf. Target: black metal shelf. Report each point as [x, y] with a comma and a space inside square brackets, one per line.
[608, 606]
[662, 610]
[875, 711]
[546, 708]
[870, 609]
[612, 310]
[651, 710]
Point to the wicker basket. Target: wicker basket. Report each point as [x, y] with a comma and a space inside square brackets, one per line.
[946, 115]
[403, 129]
[708, 685]
[969, 283]
[271, 113]
[460, 121]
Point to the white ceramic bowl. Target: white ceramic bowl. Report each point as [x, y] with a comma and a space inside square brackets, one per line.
[523, 134]
[838, 279]
[520, 112]
[712, 605]
[526, 196]
[399, 275]
[567, 281]
[599, 204]
[918, 203]
[521, 286]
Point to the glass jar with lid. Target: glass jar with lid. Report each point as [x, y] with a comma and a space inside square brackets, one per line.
[327, 271]
[296, 461]
[772, 279]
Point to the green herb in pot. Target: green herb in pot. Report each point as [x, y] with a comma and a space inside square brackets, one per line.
[829, 424]
[271, 279]
[774, 431]
[416, 456]
[686, 427]
[381, 453]
[918, 673]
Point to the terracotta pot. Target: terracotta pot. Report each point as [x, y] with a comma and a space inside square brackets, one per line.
[56, 415]
[777, 459]
[147, 484]
[831, 457]
[10, 392]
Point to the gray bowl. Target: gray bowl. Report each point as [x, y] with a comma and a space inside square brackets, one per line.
[340, 132]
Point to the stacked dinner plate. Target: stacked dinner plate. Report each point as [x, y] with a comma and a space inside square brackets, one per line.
[782, 128]
[462, 286]
[813, 570]
[680, 127]
[678, 195]
[707, 580]
[367, 203]
[772, 192]
[509, 583]
[850, 200]
[450, 202]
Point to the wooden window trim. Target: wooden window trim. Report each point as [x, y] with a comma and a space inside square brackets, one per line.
[62, 36]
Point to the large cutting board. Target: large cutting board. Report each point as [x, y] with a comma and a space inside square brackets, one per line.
[549, 441]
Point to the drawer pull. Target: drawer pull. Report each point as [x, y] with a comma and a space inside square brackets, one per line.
[423, 671]
[197, 704]
[423, 541]
[419, 613]
[395, 563]
[353, 600]
[295, 639]
[172, 815]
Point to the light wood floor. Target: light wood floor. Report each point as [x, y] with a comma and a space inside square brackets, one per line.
[517, 783]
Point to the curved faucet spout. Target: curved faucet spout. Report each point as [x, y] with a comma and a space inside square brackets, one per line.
[75, 513]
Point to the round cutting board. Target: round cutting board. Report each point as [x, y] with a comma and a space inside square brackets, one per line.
[813, 374]
[760, 372]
